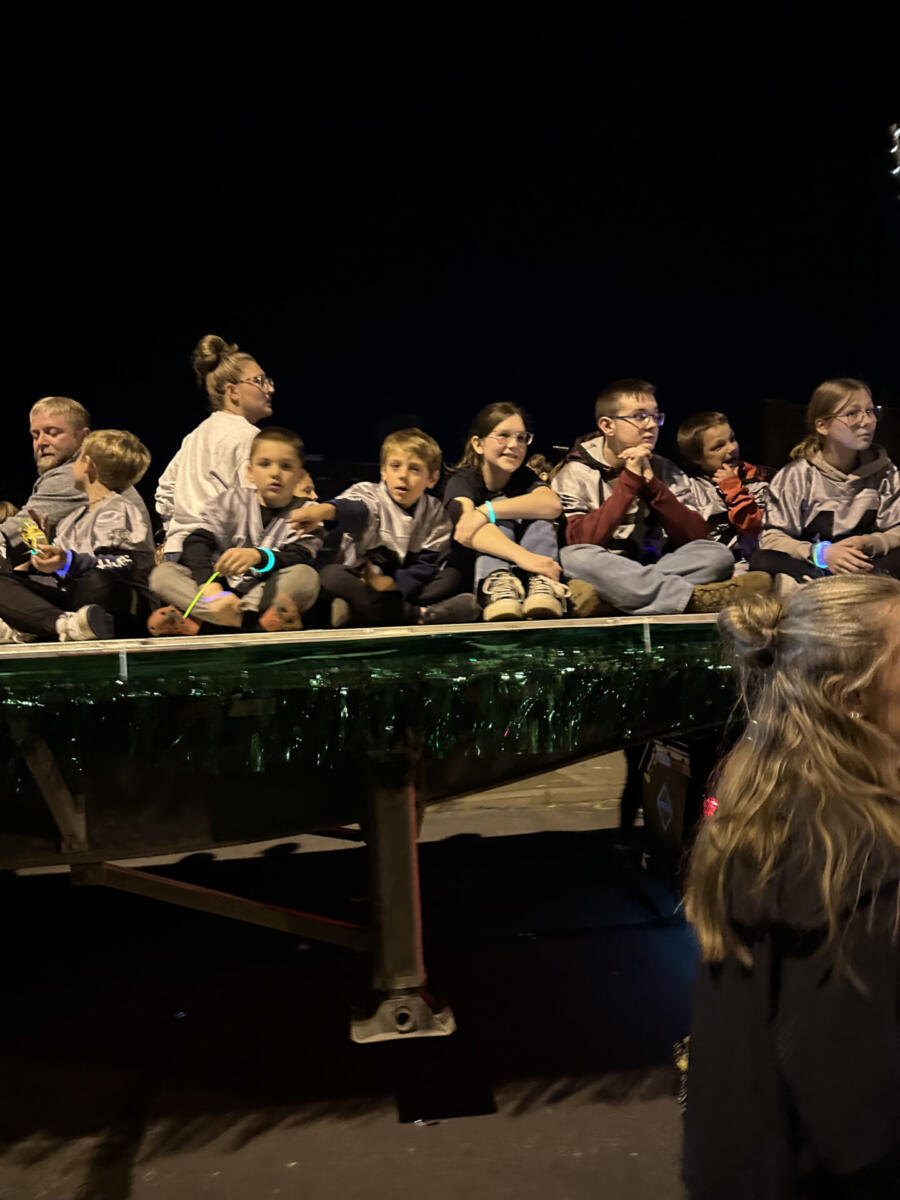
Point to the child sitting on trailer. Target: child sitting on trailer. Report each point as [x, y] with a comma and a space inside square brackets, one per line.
[389, 565]
[836, 508]
[95, 564]
[729, 494]
[245, 539]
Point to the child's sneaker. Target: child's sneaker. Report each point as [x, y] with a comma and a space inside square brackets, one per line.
[713, 597]
[546, 599]
[504, 594]
[455, 611]
[282, 615]
[585, 601]
[14, 637]
[89, 624]
[171, 622]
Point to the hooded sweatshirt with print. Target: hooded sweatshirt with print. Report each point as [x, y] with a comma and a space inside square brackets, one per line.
[810, 501]
[621, 511]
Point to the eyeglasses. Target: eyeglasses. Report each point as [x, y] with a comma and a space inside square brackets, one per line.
[856, 416]
[263, 382]
[642, 418]
[520, 439]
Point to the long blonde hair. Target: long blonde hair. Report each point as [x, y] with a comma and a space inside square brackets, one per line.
[826, 400]
[811, 773]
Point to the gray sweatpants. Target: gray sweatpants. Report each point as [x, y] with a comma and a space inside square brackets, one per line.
[656, 590]
[174, 583]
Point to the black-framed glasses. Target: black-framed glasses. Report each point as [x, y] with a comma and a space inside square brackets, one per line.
[856, 416]
[520, 438]
[263, 382]
[642, 418]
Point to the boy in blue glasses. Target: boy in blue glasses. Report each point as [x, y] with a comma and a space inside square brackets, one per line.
[631, 532]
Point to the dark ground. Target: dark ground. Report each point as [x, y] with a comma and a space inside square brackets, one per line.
[152, 1052]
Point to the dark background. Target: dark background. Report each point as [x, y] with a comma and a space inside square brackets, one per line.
[404, 219]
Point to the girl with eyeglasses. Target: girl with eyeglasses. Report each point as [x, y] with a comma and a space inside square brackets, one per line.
[503, 514]
[835, 509]
[213, 457]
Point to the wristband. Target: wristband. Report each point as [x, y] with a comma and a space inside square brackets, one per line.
[818, 555]
[269, 559]
[491, 515]
[63, 571]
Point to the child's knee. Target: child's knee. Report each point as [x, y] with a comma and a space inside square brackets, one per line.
[302, 584]
[721, 560]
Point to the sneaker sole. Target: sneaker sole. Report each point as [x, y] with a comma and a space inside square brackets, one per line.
[503, 610]
[543, 610]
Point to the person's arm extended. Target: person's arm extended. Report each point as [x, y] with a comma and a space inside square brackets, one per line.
[597, 527]
[682, 524]
[348, 516]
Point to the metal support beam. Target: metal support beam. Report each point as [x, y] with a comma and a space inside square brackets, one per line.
[67, 810]
[398, 969]
[223, 904]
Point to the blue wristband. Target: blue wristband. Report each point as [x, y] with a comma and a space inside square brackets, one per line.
[818, 555]
[269, 561]
[63, 571]
[492, 516]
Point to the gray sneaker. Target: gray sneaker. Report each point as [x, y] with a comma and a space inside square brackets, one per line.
[546, 599]
[89, 624]
[457, 610]
[14, 637]
[504, 595]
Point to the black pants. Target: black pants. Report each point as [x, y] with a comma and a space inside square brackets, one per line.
[776, 562]
[33, 606]
[385, 608]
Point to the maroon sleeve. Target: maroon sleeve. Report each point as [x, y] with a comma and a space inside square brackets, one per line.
[743, 511]
[681, 523]
[597, 526]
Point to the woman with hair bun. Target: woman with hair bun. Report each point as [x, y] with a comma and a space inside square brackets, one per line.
[793, 1086]
[836, 508]
[212, 457]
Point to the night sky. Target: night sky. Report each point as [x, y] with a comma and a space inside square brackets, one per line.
[404, 221]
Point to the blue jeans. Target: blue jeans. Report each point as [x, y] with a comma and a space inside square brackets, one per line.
[537, 536]
[662, 588]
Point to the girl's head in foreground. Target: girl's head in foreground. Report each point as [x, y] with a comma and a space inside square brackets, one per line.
[234, 381]
[498, 437]
[817, 771]
[840, 415]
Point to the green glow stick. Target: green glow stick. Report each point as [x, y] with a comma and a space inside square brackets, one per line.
[187, 611]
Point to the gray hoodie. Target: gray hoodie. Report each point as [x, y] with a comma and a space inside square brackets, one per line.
[812, 501]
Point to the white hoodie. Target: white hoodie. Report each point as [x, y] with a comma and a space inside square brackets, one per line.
[211, 459]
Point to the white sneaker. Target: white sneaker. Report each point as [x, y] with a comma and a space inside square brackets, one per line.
[504, 594]
[546, 599]
[88, 624]
[14, 637]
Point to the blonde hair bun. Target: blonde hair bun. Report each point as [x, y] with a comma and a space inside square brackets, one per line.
[751, 630]
[209, 353]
